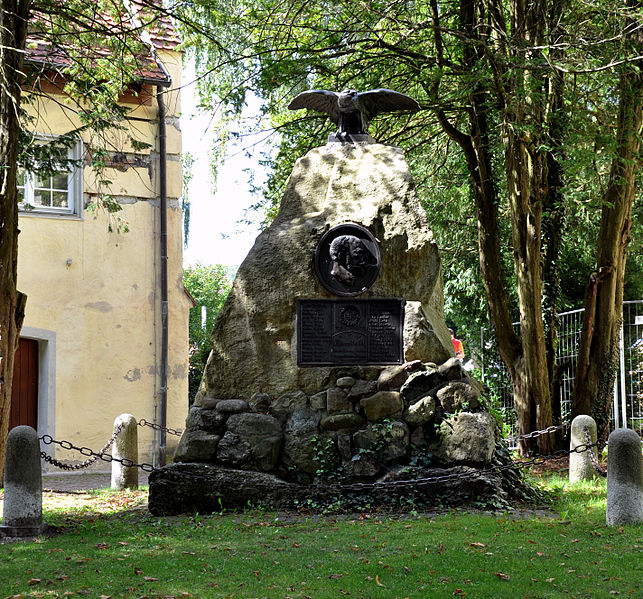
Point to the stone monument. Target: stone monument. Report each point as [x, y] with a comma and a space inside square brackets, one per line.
[331, 349]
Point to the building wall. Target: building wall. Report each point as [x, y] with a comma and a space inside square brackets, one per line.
[93, 294]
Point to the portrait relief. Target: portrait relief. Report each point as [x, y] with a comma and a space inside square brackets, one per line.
[347, 259]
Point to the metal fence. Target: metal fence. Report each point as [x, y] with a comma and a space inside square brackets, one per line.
[628, 386]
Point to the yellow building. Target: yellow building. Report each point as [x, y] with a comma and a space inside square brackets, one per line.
[93, 344]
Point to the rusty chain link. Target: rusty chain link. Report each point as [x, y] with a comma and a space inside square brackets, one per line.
[534, 434]
[106, 457]
[461, 475]
[592, 457]
[86, 451]
[101, 455]
[158, 427]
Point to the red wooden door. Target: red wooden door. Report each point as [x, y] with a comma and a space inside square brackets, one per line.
[24, 389]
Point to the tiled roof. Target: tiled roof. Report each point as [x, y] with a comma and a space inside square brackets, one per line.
[158, 26]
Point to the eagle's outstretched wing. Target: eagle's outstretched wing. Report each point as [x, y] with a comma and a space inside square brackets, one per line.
[320, 100]
[374, 101]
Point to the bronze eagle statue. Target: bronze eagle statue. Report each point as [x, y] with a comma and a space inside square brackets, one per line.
[351, 110]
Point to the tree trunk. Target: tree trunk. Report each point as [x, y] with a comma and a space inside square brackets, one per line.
[524, 356]
[13, 21]
[526, 174]
[598, 351]
[554, 209]
[531, 377]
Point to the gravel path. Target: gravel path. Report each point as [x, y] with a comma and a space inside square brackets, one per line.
[82, 481]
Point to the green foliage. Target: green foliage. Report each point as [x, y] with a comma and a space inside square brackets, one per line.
[329, 463]
[277, 49]
[209, 285]
[381, 437]
[421, 455]
[103, 54]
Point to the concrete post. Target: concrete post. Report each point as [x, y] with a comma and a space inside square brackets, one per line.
[580, 464]
[624, 478]
[22, 515]
[125, 447]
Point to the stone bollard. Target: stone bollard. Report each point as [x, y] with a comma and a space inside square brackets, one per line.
[22, 485]
[125, 447]
[624, 478]
[580, 464]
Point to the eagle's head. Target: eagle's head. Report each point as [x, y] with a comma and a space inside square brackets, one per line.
[346, 99]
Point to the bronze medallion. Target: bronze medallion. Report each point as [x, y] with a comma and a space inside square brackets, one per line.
[348, 259]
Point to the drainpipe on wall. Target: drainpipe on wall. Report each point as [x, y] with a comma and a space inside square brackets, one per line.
[160, 414]
[162, 393]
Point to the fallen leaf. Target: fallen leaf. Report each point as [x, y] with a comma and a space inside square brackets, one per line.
[138, 571]
[150, 579]
[477, 545]
[377, 581]
[549, 579]
[459, 592]
[33, 581]
[539, 553]
[335, 576]
[503, 575]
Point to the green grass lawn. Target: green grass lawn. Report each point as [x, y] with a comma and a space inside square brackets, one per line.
[113, 547]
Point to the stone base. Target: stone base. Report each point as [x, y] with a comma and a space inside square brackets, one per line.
[204, 488]
[350, 138]
[22, 532]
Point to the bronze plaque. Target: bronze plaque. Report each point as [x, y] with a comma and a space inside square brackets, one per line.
[350, 332]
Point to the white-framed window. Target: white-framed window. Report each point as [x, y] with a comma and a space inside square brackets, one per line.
[55, 191]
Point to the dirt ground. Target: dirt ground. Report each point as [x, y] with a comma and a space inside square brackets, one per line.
[82, 481]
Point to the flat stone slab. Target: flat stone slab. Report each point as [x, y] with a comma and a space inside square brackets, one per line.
[188, 487]
[22, 532]
[205, 488]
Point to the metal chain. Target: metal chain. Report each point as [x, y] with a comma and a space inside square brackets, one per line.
[158, 427]
[106, 457]
[461, 475]
[86, 451]
[592, 457]
[534, 434]
[102, 455]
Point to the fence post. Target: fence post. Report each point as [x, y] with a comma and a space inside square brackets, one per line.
[580, 464]
[624, 478]
[125, 447]
[22, 515]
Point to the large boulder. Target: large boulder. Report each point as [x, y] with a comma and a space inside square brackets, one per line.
[299, 440]
[254, 338]
[252, 441]
[197, 445]
[459, 395]
[467, 438]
